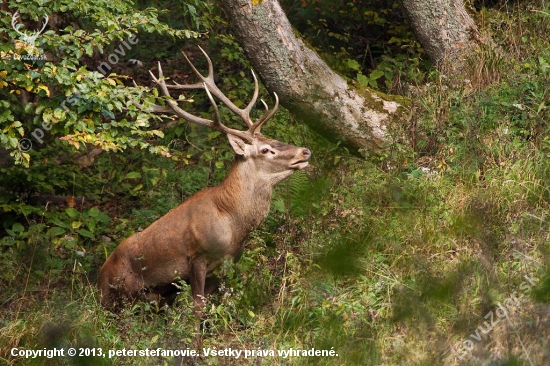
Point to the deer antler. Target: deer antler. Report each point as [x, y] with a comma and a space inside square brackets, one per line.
[208, 84]
[46, 19]
[30, 39]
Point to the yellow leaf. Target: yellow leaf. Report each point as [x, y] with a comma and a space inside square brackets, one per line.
[111, 81]
[45, 88]
[256, 2]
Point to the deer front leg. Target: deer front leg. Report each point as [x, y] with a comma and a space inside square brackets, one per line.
[211, 285]
[197, 281]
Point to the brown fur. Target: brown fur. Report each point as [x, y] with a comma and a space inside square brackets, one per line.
[190, 241]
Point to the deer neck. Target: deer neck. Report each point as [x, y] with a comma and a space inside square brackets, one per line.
[245, 194]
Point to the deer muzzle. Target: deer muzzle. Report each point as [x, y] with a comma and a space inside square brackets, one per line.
[302, 162]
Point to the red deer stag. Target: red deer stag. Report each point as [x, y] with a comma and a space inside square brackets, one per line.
[190, 241]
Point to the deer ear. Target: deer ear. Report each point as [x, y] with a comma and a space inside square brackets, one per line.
[238, 144]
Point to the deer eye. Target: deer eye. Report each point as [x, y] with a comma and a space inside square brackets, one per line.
[265, 150]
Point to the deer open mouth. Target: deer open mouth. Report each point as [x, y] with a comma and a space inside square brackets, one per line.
[299, 164]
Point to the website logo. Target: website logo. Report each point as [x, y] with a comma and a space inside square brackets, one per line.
[29, 39]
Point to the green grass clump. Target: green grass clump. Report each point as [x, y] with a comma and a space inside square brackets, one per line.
[395, 260]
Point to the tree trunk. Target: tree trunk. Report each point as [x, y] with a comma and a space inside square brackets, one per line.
[445, 29]
[307, 87]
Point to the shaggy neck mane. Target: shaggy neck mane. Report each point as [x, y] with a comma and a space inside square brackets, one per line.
[243, 194]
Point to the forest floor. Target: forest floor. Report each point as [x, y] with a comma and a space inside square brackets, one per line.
[435, 254]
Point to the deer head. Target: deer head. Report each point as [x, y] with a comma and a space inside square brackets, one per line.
[277, 158]
[29, 39]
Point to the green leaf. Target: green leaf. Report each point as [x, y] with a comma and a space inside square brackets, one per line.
[59, 114]
[91, 225]
[18, 228]
[354, 65]
[363, 80]
[73, 213]
[278, 205]
[56, 231]
[132, 175]
[376, 74]
[103, 218]
[86, 233]
[93, 212]
[89, 49]
[417, 173]
[59, 223]
[137, 188]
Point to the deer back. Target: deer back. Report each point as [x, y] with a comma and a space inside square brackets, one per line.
[190, 241]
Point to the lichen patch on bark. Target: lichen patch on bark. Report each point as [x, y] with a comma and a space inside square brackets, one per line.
[305, 84]
[390, 107]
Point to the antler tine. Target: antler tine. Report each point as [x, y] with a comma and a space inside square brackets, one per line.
[153, 108]
[196, 86]
[217, 124]
[252, 103]
[13, 19]
[173, 105]
[197, 72]
[199, 85]
[161, 82]
[244, 114]
[210, 66]
[217, 119]
[45, 23]
[257, 126]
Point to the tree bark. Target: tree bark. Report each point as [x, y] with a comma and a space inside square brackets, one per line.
[307, 87]
[446, 31]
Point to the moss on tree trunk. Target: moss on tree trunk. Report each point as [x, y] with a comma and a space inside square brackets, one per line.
[359, 117]
[446, 31]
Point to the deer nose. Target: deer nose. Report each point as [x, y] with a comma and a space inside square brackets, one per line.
[306, 153]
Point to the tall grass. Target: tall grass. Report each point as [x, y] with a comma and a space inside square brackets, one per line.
[389, 262]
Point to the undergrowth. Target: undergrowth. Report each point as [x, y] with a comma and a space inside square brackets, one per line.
[405, 259]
